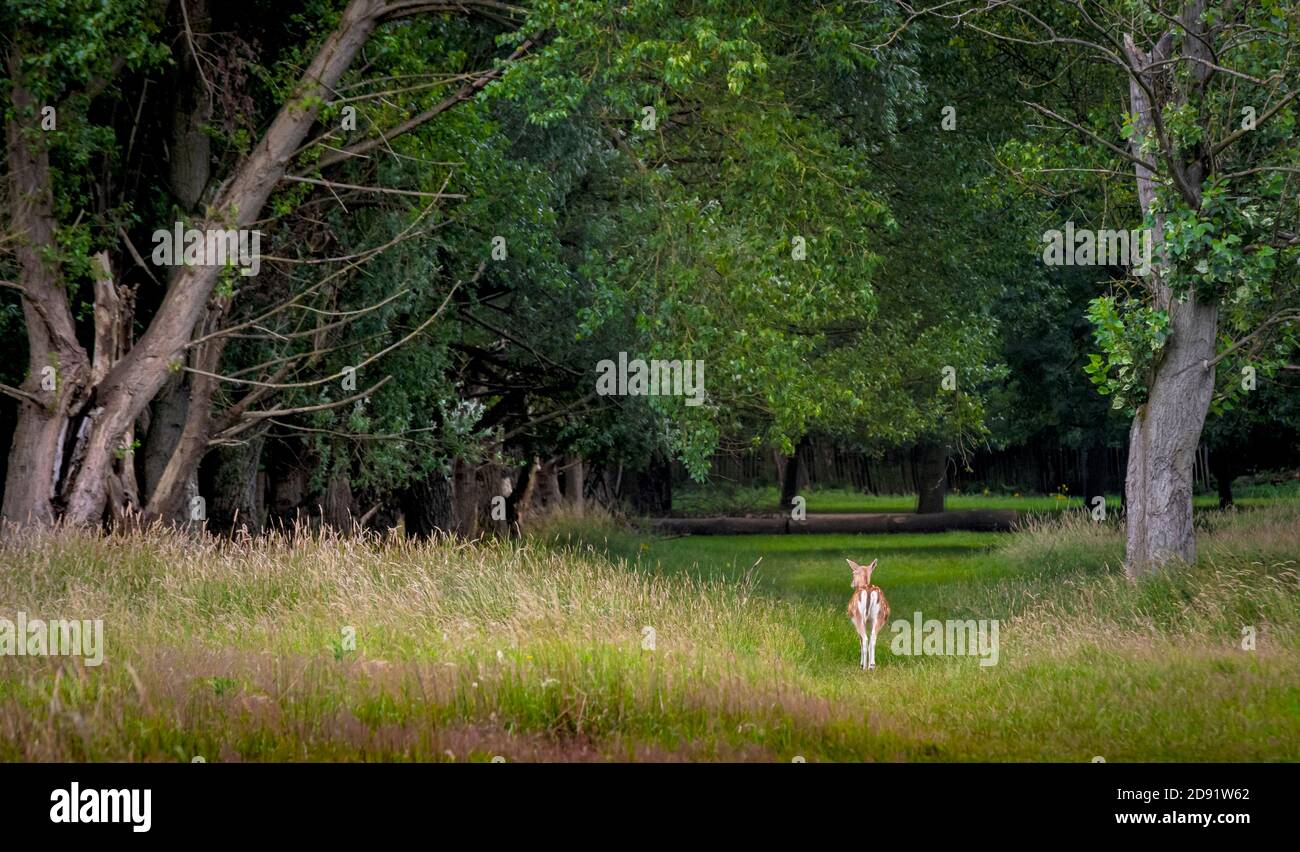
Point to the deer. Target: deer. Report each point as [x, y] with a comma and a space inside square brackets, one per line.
[868, 610]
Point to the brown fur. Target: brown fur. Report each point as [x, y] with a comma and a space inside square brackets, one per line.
[862, 588]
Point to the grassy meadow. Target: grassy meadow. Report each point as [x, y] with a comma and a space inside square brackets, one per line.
[538, 650]
[742, 500]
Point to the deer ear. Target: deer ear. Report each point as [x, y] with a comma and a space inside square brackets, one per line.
[872, 566]
[855, 566]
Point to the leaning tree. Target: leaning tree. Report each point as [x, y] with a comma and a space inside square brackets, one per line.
[85, 389]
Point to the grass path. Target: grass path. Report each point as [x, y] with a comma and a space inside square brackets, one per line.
[812, 567]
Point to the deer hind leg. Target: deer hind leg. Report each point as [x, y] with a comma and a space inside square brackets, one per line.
[875, 627]
[860, 623]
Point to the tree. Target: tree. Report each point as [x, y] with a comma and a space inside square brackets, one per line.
[1207, 95]
[75, 412]
[754, 230]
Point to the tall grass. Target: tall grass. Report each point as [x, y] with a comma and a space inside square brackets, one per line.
[239, 650]
[1247, 575]
[484, 633]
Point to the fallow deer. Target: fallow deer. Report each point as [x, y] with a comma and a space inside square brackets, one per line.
[868, 609]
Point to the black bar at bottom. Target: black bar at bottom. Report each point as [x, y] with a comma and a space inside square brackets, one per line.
[222, 802]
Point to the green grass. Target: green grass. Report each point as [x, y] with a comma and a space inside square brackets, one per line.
[715, 500]
[535, 651]
[806, 568]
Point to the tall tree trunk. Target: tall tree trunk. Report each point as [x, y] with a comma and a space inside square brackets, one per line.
[56, 388]
[575, 485]
[337, 508]
[189, 153]
[931, 467]
[653, 487]
[174, 453]
[427, 505]
[114, 318]
[1223, 467]
[790, 475]
[1163, 441]
[1096, 474]
[468, 487]
[1225, 492]
[287, 477]
[166, 498]
[521, 497]
[234, 484]
[167, 415]
[1166, 429]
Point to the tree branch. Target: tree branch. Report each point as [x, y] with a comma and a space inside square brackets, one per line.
[469, 90]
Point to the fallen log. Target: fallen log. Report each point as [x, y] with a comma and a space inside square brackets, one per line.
[769, 525]
[970, 520]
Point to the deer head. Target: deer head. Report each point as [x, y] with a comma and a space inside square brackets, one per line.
[861, 573]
